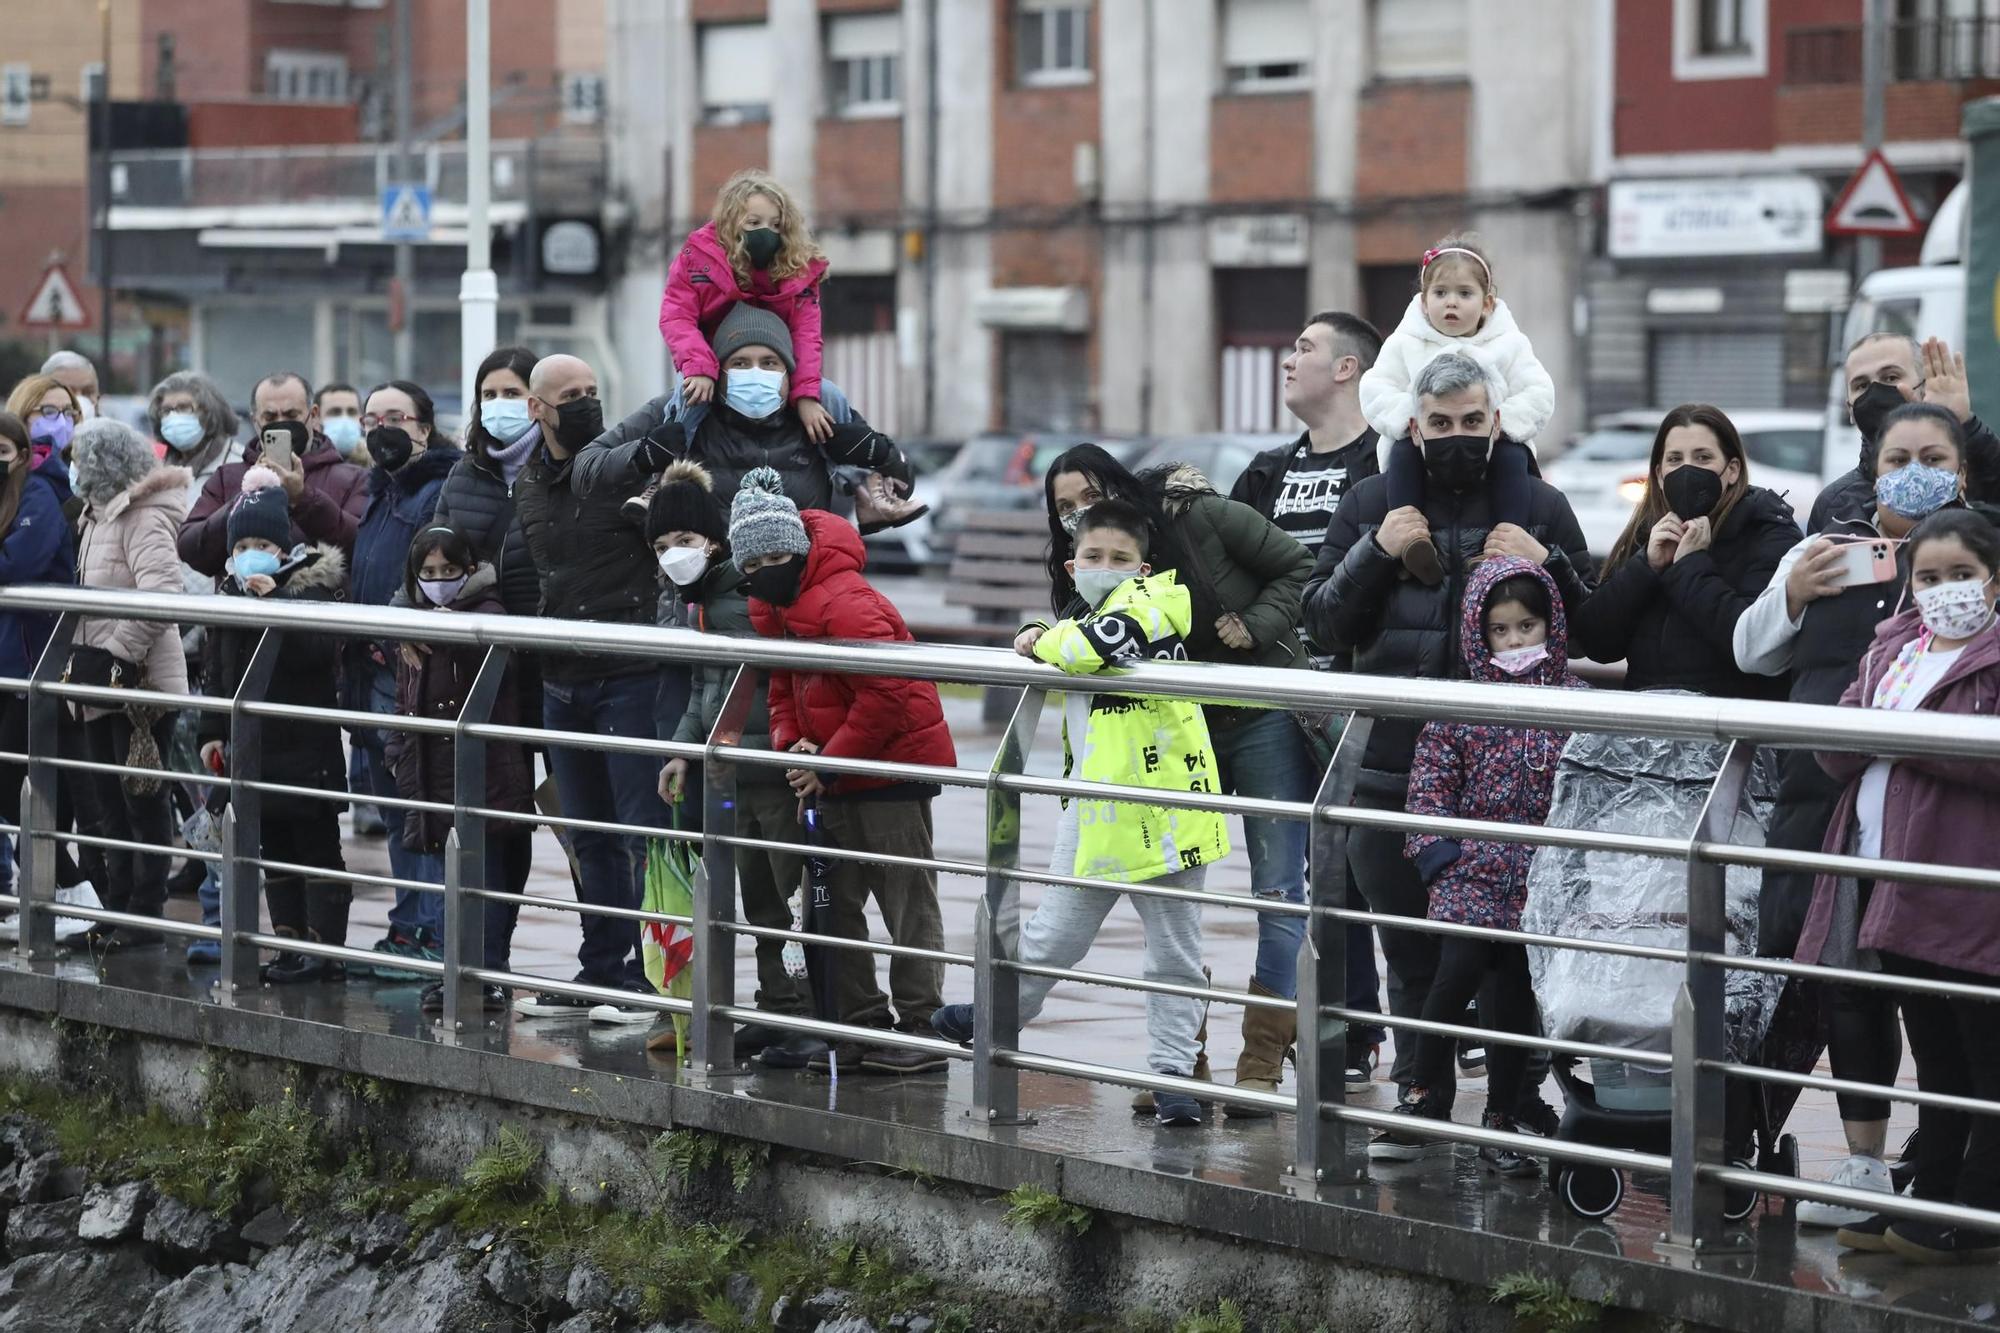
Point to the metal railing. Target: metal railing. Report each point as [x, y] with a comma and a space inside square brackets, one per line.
[1330, 1133]
[529, 170]
[1918, 50]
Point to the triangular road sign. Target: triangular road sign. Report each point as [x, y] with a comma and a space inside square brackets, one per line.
[1873, 203]
[55, 304]
[406, 213]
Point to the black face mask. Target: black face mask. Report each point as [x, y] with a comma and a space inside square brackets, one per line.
[578, 422]
[762, 244]
[1692, 492]
[1874, 403]
[776, 584]
[1457, 462]
[390, 447]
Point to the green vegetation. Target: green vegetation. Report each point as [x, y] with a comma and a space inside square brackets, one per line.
[1226, 1319]
[679, 1156]
[1031, 1208]
[1543, 1305]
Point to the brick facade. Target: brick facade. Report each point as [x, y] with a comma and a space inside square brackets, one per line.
[1410, 143]
[1260, 148]
[720, 151]
[858, 170]
[729, 11]
[1831, 112]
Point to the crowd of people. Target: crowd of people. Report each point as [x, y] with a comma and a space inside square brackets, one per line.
[1406, 533]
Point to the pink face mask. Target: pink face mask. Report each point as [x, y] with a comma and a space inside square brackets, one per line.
[1520, 661]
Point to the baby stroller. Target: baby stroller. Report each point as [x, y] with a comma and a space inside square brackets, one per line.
[1643, 785]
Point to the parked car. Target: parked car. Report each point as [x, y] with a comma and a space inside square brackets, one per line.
[908, 550]
[1221, 458]
[1604, 472]
[1003, 471]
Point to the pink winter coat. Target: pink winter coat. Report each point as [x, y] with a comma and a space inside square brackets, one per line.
[700, 289]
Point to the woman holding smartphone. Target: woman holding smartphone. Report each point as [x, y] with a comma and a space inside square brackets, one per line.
[1816, 620]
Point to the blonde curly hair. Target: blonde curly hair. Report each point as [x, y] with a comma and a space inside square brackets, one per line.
[732, 201]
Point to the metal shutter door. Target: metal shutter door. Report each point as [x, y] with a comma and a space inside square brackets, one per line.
[1734, 371]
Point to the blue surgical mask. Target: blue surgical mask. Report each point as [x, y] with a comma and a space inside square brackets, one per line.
[1094, 585]
[1916, 490]
[181, 430]
[505, 419]
[755, 393]
[246, 565]
[343, 433]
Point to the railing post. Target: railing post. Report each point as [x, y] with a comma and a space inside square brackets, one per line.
[996, 991]
[715, 885]
[35, 846]
[243, 825]
[1699, 1030]
[1328, 1151]
[465, 854]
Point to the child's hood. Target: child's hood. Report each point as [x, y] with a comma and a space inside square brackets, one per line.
[1161, 593]
[1472, 627]
[836, 548]
[481, 585]
[1499, 327]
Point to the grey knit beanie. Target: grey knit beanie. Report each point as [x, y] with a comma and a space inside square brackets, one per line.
[762, 521]
[747, 325]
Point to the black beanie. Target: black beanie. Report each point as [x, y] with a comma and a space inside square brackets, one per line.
[261, 510]
[685, 502]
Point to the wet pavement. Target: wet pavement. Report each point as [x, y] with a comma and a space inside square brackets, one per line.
[1096, 1024]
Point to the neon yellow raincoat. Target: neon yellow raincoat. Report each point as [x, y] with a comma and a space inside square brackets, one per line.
[1135, 742]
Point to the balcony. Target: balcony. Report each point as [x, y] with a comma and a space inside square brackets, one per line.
[1919, 51]
[344, 183]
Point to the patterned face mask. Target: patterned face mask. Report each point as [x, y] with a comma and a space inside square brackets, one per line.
[1916, 490]
[1954, 610]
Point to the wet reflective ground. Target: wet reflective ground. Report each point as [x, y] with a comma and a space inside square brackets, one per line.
[1084, 1121]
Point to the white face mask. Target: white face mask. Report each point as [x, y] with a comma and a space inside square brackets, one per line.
[683, 564]
[1520, 661]
[1955, 610]
[1094, 585]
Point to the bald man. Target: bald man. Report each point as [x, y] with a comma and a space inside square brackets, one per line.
[593, 565]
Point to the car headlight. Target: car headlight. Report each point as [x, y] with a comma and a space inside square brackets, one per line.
[1632, 490]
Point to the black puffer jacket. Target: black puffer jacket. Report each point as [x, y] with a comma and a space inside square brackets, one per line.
[1852, 493]
[1360, 600]
[1674, 627]
[295, 754]
[594, 562]
[478, 502]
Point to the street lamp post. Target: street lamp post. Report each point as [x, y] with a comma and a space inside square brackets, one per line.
[478, 289]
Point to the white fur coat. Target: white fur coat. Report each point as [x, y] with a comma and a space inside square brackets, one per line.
[1389, 403]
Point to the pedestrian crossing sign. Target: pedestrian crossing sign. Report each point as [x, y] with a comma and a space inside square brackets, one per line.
[55, 304]
[406, 213]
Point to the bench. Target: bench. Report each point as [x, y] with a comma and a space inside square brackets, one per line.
[997, 573]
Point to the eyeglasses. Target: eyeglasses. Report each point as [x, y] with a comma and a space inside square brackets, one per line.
[50, 411]
[374, 419]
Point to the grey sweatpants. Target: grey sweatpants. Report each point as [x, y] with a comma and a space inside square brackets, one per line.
[1067, 920]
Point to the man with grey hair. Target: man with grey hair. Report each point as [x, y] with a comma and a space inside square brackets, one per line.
[1361, 601]
[1882, 371]
[74, 372]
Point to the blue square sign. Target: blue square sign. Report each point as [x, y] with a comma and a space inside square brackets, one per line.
[406, 213]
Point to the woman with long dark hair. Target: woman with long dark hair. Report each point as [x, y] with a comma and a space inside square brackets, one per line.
[1245, 576]
[1700, 547]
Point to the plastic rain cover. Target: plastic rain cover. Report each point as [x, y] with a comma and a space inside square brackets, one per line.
[1655, 787]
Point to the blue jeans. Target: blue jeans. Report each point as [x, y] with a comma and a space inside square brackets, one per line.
[621, 788]
[413, 910]
[1265, 755]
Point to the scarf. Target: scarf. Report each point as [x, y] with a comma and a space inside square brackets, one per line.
[511, 458]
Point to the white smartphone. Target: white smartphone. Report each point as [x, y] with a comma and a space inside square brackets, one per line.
[278, 447]
[1867, 561]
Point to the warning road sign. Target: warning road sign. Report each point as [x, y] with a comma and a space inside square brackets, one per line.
[1873, 203]
[406, 213]
[55, 304]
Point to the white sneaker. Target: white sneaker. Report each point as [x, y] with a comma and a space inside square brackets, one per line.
[621, 1013]
[1856, 1173]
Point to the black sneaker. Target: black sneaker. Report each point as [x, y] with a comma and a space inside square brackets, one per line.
[1361, 1062]
[905, 1059]
[850, 1057]
[1395, 1145]
[796, 1051]
[492, 998]
[635, 506]
[1176, 1110]
[543, 1004]
[953, 1022]
[1505, 1161]
[1937, 1243]
[1537, 1117]
[1868, 1235]
[1903, 1170]
[1471, 1061]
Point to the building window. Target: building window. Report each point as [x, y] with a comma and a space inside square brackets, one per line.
[1266, 45]
[1720, 39]
[1418, 39]
[16, 94]
[305, 76]
[583, 98]
[1052, 42]
[864, 64]
[735, 73]
[90, 83]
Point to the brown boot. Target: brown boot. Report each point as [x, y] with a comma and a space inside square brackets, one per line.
[1268, 1035]
[1142, 1100]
